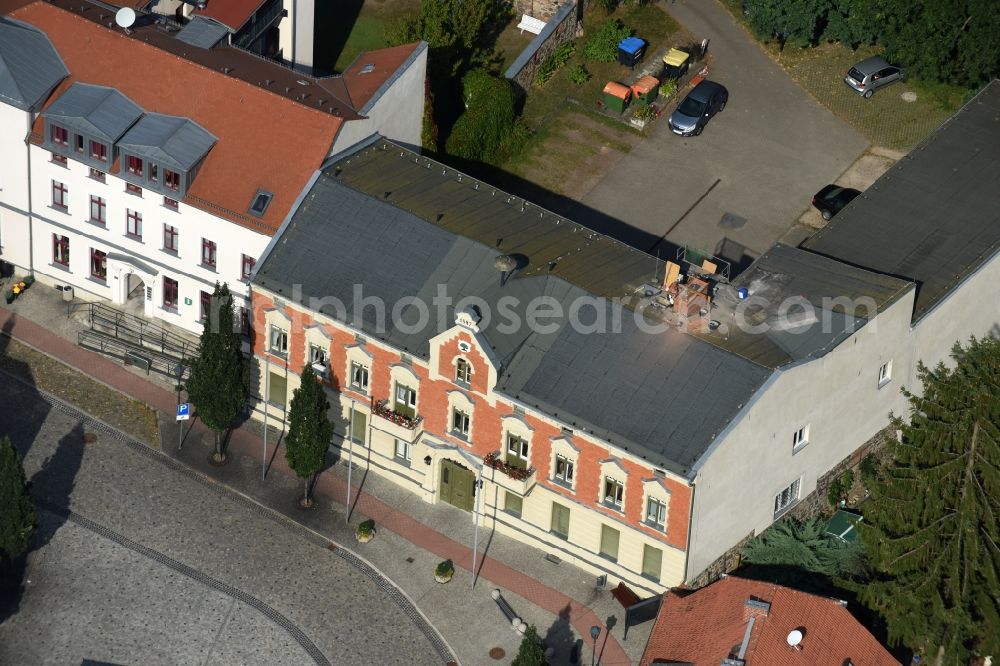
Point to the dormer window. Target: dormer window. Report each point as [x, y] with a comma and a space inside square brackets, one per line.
[134, 165]
[78, 143]
[154, 173]
[260, 202]
[98, 151]
[171, 180]
[59, 135]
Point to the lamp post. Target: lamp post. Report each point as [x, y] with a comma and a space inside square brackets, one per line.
[595, 631]
[475, 532]
[350, 462]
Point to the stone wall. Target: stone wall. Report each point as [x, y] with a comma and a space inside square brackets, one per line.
[813, 505]
[540, 9]
[561, 28]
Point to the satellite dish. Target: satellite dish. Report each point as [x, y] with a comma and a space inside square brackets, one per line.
[795, 637]
[125, 17]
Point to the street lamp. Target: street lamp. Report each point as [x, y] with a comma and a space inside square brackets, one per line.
[595, 631]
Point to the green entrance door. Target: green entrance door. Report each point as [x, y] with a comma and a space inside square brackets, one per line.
[457, 485]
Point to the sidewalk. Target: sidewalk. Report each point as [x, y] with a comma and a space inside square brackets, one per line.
[564, 610]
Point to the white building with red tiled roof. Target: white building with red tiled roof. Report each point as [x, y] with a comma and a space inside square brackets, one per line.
[141, 167]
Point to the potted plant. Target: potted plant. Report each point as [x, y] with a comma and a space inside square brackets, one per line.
[643, 115]
[444, 571]
[28, 281]
[9, 296]
[365, 531]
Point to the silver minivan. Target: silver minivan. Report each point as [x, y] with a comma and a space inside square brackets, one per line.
[871, 74]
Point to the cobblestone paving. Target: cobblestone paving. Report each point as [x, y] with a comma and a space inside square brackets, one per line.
[106, 404]
[350, 620]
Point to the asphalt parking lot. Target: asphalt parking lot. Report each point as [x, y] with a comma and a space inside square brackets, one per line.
[738, 187]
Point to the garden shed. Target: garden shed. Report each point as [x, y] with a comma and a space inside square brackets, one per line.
[617, 96]
[646, 90]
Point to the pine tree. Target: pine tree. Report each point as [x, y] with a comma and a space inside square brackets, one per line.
[17, 517]
[309, 431]
[531, 652]
[218, 380]
[805, 547]
[932, 527]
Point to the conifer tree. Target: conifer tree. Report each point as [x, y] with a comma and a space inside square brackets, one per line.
[309, 431]
[932, 527]
[531, 652]
[218, 382]
[17, 517]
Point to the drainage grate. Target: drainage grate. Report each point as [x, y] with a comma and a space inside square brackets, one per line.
[732, 221]
[552, 558]
[409, 560]
[395, 594]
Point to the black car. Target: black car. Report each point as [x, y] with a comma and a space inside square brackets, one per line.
[832, 198]
[691, 115]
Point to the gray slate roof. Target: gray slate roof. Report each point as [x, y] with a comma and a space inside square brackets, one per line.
[202, 32]
[801, 306]
[934, 217]
[170, 140]
[30, 67]
[95, 110]
[662, 396]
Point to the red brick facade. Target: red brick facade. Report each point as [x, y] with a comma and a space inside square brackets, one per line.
[487, 431]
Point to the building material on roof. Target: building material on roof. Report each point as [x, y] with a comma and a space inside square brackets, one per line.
[96, 110]
[409, 225]
[245, 159]
[231, 13]
[934, 217]
[202, 32]
[172, 141]
[737, 620]
[29, 66]
[801, 306]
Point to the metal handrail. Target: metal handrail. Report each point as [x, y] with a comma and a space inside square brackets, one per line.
[106, 344]
[137, 331]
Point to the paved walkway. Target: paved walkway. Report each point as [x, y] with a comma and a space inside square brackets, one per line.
[246, 447]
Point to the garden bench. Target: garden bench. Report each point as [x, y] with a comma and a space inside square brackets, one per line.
[531, 24]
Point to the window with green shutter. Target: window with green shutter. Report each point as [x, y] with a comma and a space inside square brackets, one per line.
[513, 503]
[652, 560]
[609, 543]
[277, 389]
[360, 427]
[560, 520]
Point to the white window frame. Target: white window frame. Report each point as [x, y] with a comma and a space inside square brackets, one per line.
[322, 357]
[359, 371]
[408, 393]
[885, 373]
[466, 418]
[569, 469]
[785, 498]
[523, 452]
[617, 500]
[800, 438]
[401, 450]
[282, 336]
[462, 366]
[659, 521]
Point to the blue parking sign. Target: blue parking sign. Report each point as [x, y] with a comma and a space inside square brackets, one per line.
[184, 411]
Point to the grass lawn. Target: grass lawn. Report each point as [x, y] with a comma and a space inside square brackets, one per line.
[350, 27]
[886, 120]
[509, 44]
[573, 145]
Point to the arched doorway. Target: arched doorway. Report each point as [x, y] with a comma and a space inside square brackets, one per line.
[132, 284]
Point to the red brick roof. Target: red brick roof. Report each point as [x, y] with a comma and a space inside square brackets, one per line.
[266, 141]
[371, 69]
[230, 13]
[704, 627]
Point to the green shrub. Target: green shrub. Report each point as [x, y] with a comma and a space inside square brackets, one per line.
[646, 113]
[445, 568]
[868, 467]
[556, 59]
[479, 133]
[603, 44]
[668, 88]
[579, 75]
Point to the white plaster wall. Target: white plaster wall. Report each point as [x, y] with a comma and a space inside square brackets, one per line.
[837, 396]
[398, 114]
[971, 309]
[296, 33]
[14, 127]
[232, 240]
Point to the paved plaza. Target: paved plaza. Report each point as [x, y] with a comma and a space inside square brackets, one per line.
[138, 562]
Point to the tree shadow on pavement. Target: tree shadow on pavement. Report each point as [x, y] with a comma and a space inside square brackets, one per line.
[560, 638]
